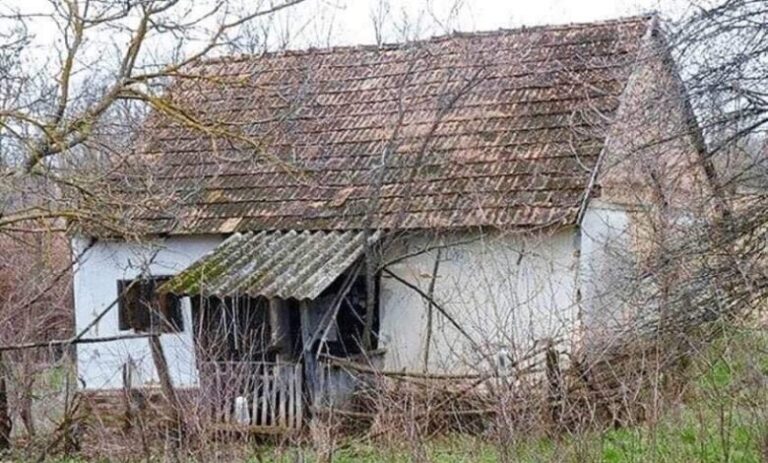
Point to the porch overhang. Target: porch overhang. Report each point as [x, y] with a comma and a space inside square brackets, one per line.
[272, 264]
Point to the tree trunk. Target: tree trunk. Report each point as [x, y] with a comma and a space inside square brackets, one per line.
[430, 309]
[555, 384]
[6, 425]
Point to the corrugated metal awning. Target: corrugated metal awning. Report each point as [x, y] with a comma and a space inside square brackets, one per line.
[286, 265]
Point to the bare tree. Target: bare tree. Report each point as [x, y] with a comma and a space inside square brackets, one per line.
[64, 137]
[77, 81]
[52, 120]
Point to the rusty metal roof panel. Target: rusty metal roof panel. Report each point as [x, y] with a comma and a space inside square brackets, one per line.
[298, 265]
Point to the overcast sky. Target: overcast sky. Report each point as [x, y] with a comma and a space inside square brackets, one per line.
[346, 22]
[315, 23]
[354, 24]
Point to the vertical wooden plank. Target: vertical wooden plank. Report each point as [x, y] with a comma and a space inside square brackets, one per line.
[264, 393]
[218, 394]
[255, 374]
[319, 383]
[280, 327]
[310, 364]
[290, 397]
[298, 397]
[229, 400]
[283, 393]
[215, 391]
[273, 397]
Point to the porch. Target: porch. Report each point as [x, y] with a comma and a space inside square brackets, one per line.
[265, 307]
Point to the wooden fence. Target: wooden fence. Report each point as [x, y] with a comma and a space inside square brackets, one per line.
[257, 394]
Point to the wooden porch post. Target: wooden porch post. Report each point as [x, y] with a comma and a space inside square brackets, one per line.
[310, 363]
[280, 328]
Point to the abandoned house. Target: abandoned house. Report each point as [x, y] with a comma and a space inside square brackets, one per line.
[436, 206]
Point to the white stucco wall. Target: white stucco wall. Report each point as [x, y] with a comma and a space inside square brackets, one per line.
[506, 290]
[95, 287]
[607, 272]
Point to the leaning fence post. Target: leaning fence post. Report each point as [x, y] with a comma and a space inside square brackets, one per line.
[161, 365]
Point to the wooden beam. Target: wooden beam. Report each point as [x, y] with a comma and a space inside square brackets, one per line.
[310, 362]
[280, 327]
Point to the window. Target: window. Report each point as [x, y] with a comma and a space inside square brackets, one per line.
[142, 309]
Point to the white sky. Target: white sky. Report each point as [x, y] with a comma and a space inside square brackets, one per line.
[350, 20]
[354, 22]
[315, 23]
[346, 22]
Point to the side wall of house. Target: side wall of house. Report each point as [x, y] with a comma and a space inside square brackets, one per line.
[100, 365]
[607, 272]
[506, 291]
[653, 185]
[652, 156]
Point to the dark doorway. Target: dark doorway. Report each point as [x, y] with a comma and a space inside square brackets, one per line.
[346, 332]
[230, 329]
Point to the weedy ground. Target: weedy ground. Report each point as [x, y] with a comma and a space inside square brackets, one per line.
[721, 417]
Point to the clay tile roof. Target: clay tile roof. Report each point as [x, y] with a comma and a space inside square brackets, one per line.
[475, 129]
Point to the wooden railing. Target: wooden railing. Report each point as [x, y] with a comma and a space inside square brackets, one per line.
[262, 394]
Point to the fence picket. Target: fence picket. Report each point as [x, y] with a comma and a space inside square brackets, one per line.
[274, 391]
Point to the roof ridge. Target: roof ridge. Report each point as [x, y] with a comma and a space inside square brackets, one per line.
[243, 57]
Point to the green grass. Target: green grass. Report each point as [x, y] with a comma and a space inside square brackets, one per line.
[682, 442]
[723, 417]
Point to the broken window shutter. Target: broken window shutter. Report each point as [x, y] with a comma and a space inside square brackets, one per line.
[141, 320]
[169, 313]
[167, 309]
[123, 306]
[140, 308]
[131, 311]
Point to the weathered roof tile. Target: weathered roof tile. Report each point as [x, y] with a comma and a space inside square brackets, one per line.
[499, 129]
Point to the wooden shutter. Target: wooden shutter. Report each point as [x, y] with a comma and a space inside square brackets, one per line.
[142, 314]
[140, 307]
[123, 306]
[170, 319]
[132, 309]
